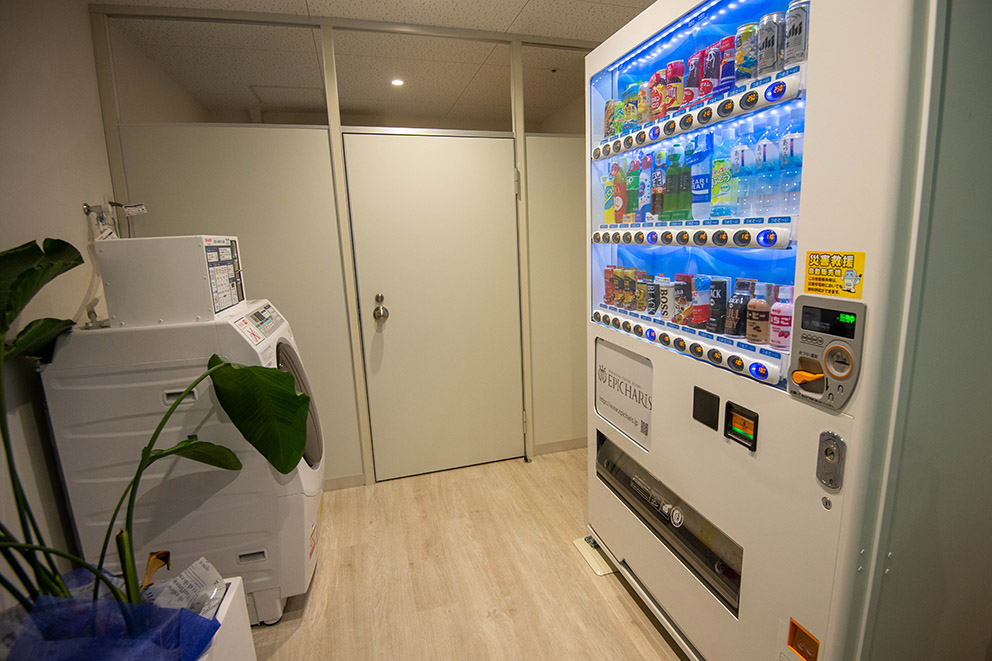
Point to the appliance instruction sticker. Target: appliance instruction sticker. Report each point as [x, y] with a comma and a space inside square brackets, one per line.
[623, 391]
[835, 273]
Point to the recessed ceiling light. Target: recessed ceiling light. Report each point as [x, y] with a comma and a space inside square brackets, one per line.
[397, 82]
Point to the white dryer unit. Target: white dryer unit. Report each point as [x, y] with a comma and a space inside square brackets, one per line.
[108, 388]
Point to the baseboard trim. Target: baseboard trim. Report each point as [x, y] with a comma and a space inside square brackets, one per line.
[560, 446]
[346, 482]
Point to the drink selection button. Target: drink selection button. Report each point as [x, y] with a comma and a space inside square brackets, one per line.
[641, 137]
[606, 150]
[736, 363]
[616, 322]
[596, 238]
[715, 356]
[679, 344]
[704, 116]
[699, 238]
[628, 142]
[742, 238]
[749, 100]
[667, 238]
[696, 349]
[686, 122]
[682, 238]
[627, 237]
[596, 316]
[616, 237]
[639, 237]
[650, 334]
[720, 238]
[665, 339]
[725, 108]
[652, 237]
[669, 127]
[638, 330]
[626, 326]
[596, 153]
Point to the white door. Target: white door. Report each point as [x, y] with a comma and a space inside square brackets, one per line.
[435, 232]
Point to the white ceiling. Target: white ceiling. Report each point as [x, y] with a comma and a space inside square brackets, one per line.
[270, 68]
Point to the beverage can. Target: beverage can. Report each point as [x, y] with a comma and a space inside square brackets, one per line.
[736, 324]
[711, 70]
[658, 85]
[718, 305]
[629, 288]
[618, 286]
[608, 285]
[666, 298]
[796, 32]
[700, 301]
[681, 302]
[644, 100]
[658, 182]
[728, 62]
[674, 75]
[630, 106]
[746, 54]
[693, 75]
[651, 287]
[614, 117]
[641, 295]
[771, 43]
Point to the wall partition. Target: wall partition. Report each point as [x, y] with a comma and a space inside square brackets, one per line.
[231, 123]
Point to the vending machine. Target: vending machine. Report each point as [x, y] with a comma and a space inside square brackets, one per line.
[757, 175]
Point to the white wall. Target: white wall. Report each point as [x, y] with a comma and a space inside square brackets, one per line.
[54, 160]
[556, 214]
[145, 93]
[271, 187]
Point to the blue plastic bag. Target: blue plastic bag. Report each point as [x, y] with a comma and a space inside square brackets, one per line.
[71, 629]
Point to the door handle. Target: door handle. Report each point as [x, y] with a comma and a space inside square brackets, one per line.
[381, 312]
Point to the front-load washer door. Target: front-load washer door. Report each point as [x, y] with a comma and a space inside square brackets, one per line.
[289, 361]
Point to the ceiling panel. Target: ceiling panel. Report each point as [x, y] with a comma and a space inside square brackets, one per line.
[572, 19]
[270, 6]
[147, 33]
[410, 47]
[536, 56]
[496, 15]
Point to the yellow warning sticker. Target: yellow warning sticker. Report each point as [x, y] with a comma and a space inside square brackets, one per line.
[835, 273]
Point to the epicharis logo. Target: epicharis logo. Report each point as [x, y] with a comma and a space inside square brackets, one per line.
[624, 387]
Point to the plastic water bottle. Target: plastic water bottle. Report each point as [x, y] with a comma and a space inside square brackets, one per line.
[723, 184]
[766, 163]
[791, 160]
[742, 166]
[673, 183]
[700, 160]
[644, 189]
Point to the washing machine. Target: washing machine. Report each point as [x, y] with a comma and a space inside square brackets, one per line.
[107, 389]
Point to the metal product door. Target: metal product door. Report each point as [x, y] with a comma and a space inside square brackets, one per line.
[435, 233]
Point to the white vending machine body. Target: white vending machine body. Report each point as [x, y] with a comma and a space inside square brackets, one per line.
[737, 484]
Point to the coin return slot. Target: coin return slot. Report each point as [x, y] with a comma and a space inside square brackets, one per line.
[810, 376]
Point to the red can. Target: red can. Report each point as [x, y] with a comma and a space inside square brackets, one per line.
[690, 93]
[674, 74]
[658, 85]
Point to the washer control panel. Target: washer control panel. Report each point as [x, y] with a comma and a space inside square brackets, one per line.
[827, 338]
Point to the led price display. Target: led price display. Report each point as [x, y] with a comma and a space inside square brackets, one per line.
[830, 322]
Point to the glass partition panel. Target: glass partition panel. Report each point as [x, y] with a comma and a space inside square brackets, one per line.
[421, 82]
[182, 71]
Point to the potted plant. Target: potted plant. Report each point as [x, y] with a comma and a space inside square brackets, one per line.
[261, 402]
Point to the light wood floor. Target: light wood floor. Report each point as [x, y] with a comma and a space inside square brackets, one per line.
[475, 563]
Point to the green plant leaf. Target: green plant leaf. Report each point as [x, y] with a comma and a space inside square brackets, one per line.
[21, 278]
[263, 404]
[36, 338]
[204, 452]
[14, 262]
